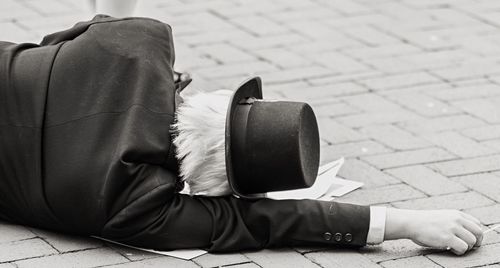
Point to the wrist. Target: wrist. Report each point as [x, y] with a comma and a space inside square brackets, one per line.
[399, 224]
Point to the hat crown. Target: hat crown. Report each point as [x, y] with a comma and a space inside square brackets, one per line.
[279, 148]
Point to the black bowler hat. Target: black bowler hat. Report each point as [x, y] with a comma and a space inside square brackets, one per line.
[270, 145]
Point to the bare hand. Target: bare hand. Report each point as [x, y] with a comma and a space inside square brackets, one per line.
[442, 229]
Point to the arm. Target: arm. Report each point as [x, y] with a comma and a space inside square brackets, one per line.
[162, 219]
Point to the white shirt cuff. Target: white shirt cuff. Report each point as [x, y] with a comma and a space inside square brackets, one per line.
[376, 231]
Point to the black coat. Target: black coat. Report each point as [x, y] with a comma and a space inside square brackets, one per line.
[85, 148]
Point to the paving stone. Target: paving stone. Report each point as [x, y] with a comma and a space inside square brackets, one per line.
[86, 258]
[467, 71]
[352, 149]
[296, 74]
[310, 11]
[158, 262]
[23, 249]
[486, 184]
[486, 109]
[492, 144]
[303, 250]
[487, 215]
[315, 93]
[491, 237]
[385, 194]
[392, 66]
[322, 33]
[452, 201]
[16, 10]
[437, 59]
[357, 170]
[371, 36]
[422, 89]
[205, 20]
[412, 262]
[385, 51]
[12, 32]
[225, 53]
[359, 19]
[426, 180]
[466, 92]
[251, 43]
[454, 122]
[483, 133]
[231, 36]
[371, 103]
[270, 41]
[246, 265]
[394, 137]
[340, 258]
[339, 63]
[280, 258]
[49, 8]
[486, 255]
[378, 118]
[473, 82]
[459, 145]
[393, 249]
[236, 69]
[468, 166]
[130, 253]
[406, 158]
[347, 7]
[282, 57]
[66, 243]
[184, 10]
[429, 41]
[492, 266]
[342, 78]
[400, 81]
[10, 232]
[422, 104]
[334, 132]
[334, 110]
[216, 260]
[259, 25]
[335, 41]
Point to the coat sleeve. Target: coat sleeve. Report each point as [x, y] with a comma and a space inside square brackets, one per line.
[165, 220]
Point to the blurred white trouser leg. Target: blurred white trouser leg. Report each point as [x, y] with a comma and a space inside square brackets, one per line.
[115, 8]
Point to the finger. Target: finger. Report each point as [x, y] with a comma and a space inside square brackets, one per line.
[466, 236]
[475, 230]
[458, 246]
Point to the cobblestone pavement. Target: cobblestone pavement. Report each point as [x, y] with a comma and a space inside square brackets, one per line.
[408, 91]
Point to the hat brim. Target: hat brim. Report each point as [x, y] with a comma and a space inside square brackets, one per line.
[250, 88]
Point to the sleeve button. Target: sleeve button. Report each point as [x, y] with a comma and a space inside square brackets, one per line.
[327, 236]
[348, 237]
[338, 237]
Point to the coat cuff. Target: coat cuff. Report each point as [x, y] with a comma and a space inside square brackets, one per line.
[376, 230]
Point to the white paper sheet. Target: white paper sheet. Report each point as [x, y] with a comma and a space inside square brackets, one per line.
[185, 254]
[326, 187]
